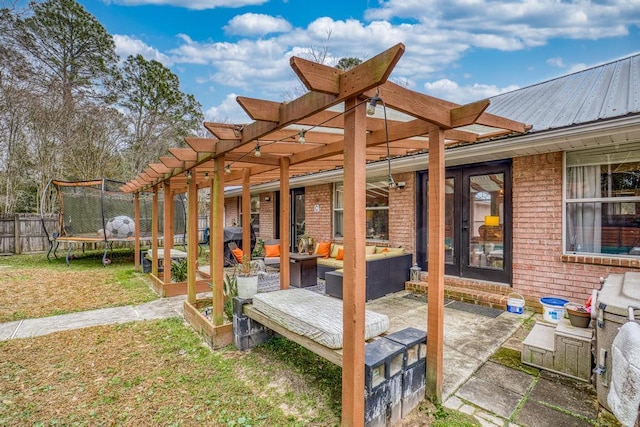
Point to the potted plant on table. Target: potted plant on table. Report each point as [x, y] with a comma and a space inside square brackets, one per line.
[247, 278]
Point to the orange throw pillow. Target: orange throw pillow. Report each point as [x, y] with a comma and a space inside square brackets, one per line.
[237, 253]
[271, 251]
[340, 255]
[385, 250]
[324, 249]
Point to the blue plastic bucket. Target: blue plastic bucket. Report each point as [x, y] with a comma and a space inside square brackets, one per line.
[552, 309]
[515, 303]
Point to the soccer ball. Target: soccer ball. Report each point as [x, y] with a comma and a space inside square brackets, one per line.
[120, 227]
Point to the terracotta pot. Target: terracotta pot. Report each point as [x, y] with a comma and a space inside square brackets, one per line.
[578, 315]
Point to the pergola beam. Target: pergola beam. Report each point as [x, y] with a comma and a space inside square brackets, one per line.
[184, 154]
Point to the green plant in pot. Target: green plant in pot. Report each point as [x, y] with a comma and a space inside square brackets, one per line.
[230, 290]
[247, 278]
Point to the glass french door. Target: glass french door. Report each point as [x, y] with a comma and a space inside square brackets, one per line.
[477, 221]
[297, 217]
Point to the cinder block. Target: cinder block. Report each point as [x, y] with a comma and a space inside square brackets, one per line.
[415, 340]
[247, 333]
[413, 386]
[384, 361]
[414, 372]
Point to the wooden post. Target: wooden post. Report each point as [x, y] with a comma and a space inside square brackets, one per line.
[216, 243]
[168, 231]
[192, 235]
[435, 257]
[354, 276]
[246, 212]
[154, 231]
[136, 220]
[285, 222]
[17, 245]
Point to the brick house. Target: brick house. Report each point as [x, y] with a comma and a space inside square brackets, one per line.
[547, 212]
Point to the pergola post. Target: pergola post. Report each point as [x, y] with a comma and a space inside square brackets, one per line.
[216, 244]
[154, 231]
[285, 218]
[354, 263]
[192, 235]
[136, 243]
[168, 232]
[246, 212]
[435, 258]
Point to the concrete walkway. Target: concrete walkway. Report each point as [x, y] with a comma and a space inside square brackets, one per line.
[494, 394]
[158, 309]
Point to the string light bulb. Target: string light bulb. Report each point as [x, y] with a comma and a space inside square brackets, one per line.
[189, 176]
[301, 138]
[227, 169]
[257, 153]
[206, 176]
[371, 108]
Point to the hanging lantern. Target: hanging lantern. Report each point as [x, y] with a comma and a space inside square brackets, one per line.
[415, 273]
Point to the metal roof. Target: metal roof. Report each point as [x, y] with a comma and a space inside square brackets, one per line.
[603, 92]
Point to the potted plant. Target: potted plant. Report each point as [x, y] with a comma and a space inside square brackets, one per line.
[247, 278]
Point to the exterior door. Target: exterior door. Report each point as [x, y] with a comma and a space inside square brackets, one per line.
[477, 221]
[297, 217]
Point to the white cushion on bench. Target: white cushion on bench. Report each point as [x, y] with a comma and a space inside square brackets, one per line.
[316, 316]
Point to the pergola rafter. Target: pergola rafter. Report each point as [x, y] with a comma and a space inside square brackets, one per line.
[338, 134]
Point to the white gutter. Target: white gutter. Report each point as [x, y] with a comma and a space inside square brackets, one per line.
[626, 129]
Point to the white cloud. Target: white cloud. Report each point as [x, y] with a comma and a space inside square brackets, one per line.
[556, 62]
[256, 24]
[451, 91]
[190, 4]
[511, 25]
[127, 45]
[229, 111]
[574, 68]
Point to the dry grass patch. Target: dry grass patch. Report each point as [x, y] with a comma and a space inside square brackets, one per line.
[153, 373]
[31, 287]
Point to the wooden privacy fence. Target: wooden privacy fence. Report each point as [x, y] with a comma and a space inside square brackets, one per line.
[23, 233]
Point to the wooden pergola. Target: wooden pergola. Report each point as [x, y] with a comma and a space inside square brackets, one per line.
[337, 133]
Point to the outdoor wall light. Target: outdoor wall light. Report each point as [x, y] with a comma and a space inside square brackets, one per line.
[392, 183]
[301, 138]
[267, 199]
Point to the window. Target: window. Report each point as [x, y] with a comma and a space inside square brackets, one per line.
[602, 201]
[377, 209]
[255, 213]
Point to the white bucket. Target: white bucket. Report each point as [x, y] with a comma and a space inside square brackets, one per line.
[515, 303]
[552, 309]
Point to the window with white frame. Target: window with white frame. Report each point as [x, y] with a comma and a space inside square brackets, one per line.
[377, 209]
[602, 201]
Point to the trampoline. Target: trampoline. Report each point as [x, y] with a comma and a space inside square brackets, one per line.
[98, 212]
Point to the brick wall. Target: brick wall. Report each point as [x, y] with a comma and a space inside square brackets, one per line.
[318, 211]
[267, 216]
[402, 211]
[538, 265]
[232, 211]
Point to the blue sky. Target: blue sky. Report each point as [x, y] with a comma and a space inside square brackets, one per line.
[458, 50]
